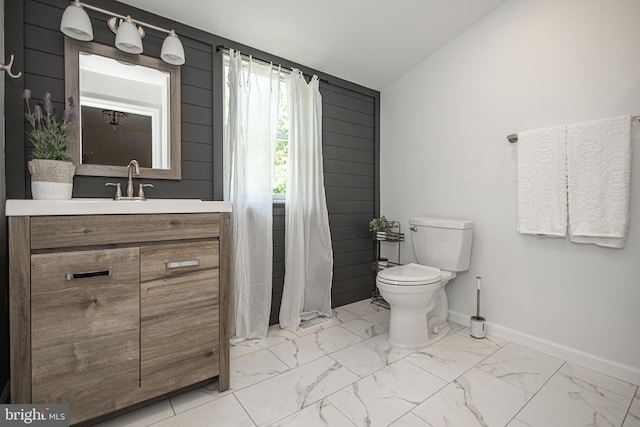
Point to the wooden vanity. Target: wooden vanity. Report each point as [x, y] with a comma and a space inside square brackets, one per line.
[111, 309]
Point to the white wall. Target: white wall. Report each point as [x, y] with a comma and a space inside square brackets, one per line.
[529, 64]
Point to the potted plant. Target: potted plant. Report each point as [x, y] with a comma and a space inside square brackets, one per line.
[380, 227]
[51, 167]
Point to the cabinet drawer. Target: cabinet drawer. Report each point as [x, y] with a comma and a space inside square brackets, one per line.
[86, 230]
[179, 323]
[84, 329]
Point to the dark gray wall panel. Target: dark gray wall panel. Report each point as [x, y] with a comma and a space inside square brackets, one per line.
[353, 168]
[348, 193]
[350, 148]
[346, 141]
[197, 115]
[349, 258]
[347, 128]
[347, 233]
[348, 180]
[196, 151]
[332, 95]
[350, 206]
[349, 220]
[349, 154]
[197, 133]
[196, 77]
[347, 115]
[197, 96]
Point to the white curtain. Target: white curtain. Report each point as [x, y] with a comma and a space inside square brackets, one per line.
[249, 146]
[308, 252]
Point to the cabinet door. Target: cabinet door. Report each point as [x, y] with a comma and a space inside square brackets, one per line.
[85, 329]
[179, 329]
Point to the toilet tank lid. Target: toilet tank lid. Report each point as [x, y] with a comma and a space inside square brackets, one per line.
[460, 224]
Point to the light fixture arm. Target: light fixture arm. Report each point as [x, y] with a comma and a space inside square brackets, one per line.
[117, 15]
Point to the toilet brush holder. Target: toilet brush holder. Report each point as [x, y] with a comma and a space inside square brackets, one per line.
[477, 327]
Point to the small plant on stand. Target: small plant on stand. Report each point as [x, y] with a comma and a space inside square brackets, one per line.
[380, 227]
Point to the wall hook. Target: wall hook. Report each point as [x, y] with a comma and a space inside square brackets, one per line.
[7, 68]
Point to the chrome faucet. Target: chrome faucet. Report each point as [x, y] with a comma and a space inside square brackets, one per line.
[131, 172]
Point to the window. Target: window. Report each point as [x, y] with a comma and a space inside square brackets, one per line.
[279, 178]
[282, 152]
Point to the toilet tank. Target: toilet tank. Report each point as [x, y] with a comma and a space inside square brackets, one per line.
[442, 243]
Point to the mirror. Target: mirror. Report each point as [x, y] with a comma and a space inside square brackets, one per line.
[128, 107]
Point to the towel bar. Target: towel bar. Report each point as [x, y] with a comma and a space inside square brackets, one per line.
[514, 136]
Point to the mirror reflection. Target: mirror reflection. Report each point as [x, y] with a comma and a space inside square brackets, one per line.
[124, 113]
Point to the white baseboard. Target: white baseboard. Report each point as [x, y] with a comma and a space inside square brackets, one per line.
[615, 369]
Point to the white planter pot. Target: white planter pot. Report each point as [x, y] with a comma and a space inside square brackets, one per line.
[51, 179]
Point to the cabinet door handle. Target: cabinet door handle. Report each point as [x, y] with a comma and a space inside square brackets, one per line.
[71, 276]
[178, 264]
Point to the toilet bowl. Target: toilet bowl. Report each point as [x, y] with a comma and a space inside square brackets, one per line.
[418, 304]
[415, 292]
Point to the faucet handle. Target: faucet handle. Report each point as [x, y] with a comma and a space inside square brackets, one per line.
[141, 191]
[118, 189]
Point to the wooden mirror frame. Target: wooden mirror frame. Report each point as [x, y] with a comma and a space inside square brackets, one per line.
[72, 49]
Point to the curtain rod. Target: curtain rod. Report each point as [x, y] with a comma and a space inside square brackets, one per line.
[223, 47]
[514, 136]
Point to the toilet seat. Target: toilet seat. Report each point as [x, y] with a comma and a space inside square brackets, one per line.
[409, 275]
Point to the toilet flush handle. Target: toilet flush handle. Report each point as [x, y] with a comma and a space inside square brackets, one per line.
[413, 228]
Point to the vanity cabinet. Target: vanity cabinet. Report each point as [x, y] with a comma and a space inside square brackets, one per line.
[179, 315]
[107, 311]
[84, 330]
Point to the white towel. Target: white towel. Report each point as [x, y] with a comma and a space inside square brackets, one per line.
[599, 181]
[542, 181]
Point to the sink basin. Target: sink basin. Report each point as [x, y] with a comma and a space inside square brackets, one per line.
[97, 206]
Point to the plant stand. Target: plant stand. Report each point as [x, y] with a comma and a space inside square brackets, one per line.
[394, 236]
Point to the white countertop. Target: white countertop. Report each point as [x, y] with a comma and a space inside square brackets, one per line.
[111, 207]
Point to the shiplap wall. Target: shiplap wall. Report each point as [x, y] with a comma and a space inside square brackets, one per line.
[350, 133]
[348, 146]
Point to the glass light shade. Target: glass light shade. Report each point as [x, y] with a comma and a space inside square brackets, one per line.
[128, 39]
[76, 24]
[172, 50]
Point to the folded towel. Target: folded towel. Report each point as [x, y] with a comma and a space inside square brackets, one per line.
[542, 181]
[599, 181]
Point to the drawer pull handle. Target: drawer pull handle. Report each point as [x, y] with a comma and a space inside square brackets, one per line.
[71, 276]
[178, 264]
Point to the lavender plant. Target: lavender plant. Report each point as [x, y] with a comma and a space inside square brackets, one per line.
[48, 133]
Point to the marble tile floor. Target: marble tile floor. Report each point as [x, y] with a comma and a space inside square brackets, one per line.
[344, 373]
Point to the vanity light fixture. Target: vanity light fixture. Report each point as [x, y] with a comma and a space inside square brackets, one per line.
[128, 39]
[172, 50]
[76, 24]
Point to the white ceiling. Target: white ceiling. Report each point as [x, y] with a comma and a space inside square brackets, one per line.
[369, 42]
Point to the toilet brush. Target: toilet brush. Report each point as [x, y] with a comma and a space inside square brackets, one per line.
[477, 325]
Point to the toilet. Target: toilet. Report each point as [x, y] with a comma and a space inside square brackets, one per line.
[415, 292]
